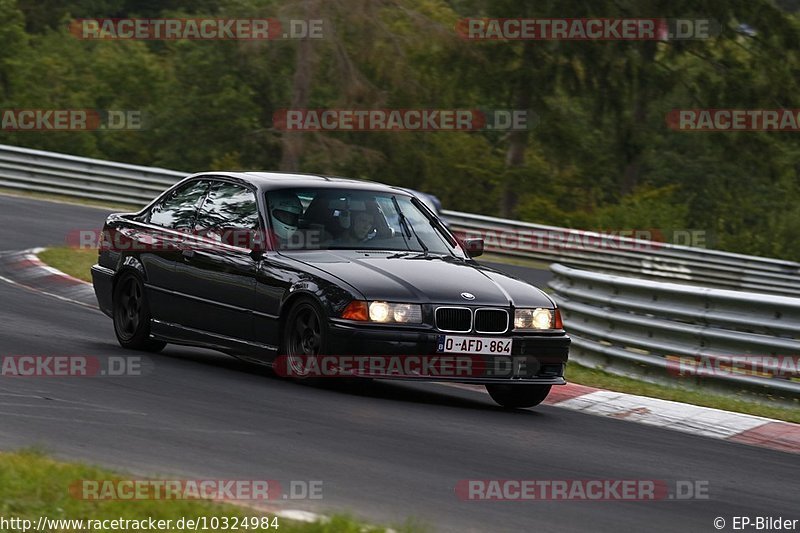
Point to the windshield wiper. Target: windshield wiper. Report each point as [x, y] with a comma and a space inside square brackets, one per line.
[399, 254]
[421, 255]
[409, 229]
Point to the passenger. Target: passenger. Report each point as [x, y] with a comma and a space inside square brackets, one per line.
[362, 228]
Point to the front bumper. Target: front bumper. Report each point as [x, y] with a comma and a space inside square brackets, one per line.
[535, 358]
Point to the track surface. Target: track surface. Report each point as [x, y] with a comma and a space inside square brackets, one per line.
[386, 452]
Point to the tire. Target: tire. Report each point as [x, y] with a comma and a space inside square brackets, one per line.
[518, 396]
[305, 333]
[131, 315]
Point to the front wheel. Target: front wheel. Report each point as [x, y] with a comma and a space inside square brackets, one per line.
[517, 396]
[132, 315]
[305, 336]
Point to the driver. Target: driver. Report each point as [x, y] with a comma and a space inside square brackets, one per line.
[285, 210]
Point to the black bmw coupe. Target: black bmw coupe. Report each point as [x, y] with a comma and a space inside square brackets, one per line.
[323, 276]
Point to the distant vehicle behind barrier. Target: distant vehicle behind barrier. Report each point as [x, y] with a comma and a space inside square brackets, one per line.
[431, 201]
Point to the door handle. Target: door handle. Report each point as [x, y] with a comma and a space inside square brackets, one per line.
[188, 254]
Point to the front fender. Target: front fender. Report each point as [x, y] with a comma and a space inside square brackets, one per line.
[332, 297]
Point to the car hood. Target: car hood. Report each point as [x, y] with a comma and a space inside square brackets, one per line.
[428, 280]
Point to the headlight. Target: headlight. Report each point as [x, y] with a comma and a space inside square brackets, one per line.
[379, 312]
[539, 318]
[383, 312]
[390, 312]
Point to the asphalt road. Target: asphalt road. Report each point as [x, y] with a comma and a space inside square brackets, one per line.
[385, 452]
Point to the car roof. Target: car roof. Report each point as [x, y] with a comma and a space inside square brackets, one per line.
[280, 180]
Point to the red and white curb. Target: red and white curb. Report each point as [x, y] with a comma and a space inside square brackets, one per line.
[29, 271]
[25, 269]
[694, 419]
[688, 418]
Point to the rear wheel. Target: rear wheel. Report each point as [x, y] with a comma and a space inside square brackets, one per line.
[132, 315]
[517, 396]
[305, 335]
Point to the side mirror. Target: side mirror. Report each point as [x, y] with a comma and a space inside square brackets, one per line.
[474, 247]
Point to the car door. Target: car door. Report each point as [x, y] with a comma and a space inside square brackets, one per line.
[215, 276]
[157, 239]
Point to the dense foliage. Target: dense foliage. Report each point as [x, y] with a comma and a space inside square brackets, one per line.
[600, 155]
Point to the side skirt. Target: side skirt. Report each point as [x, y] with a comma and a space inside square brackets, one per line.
[249, 351]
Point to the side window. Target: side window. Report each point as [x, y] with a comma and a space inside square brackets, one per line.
[178, 210]
[227, 207]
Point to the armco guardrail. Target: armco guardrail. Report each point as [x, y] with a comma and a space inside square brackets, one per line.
[81, 177]
[628, 256]
[661, 330]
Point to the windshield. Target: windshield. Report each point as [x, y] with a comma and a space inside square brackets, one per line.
[353, 219]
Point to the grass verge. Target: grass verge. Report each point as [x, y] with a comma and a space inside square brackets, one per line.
[33, 485]
[77, 262]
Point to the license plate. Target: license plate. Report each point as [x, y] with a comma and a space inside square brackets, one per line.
[473, 345]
